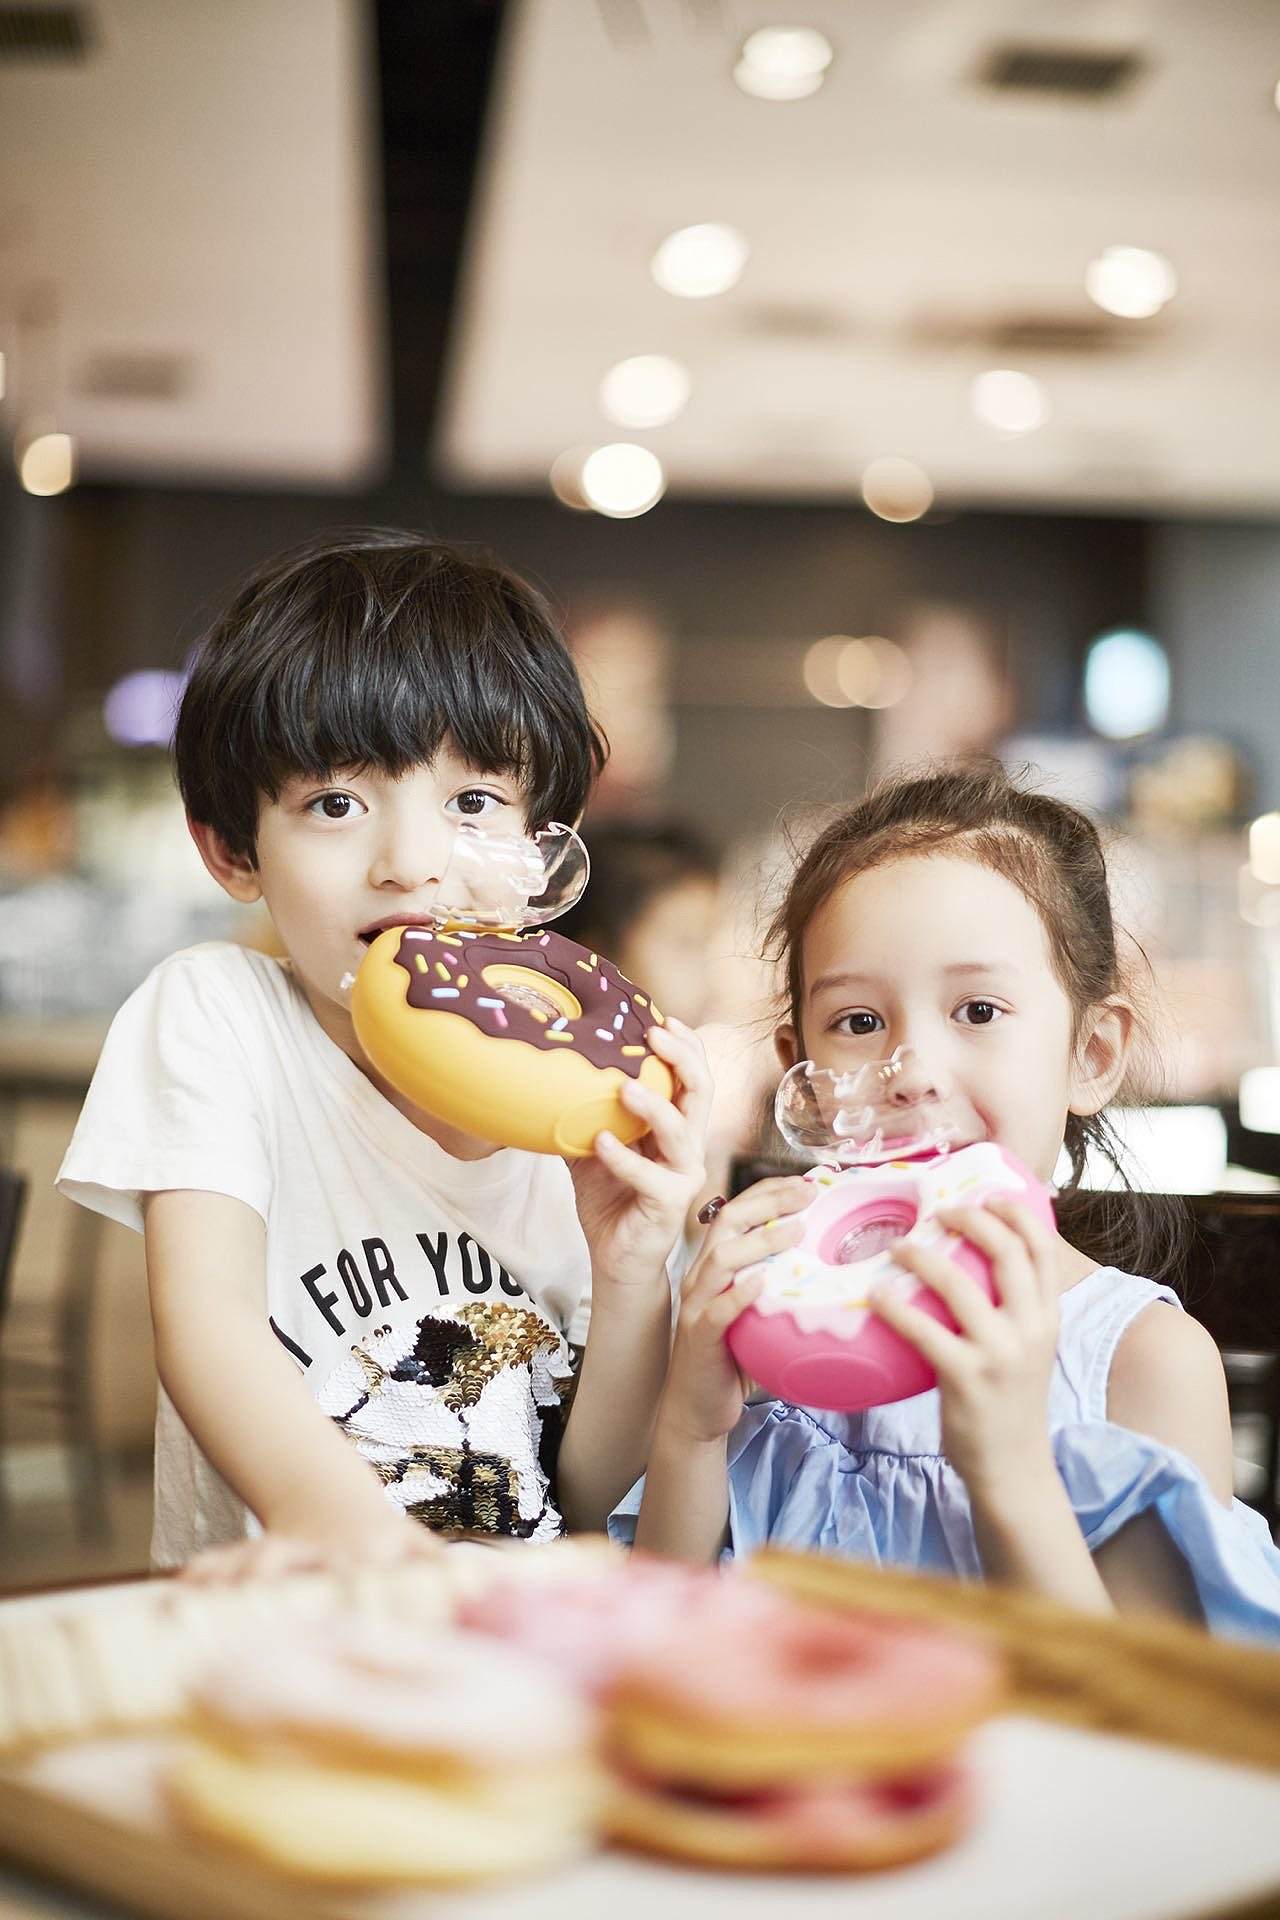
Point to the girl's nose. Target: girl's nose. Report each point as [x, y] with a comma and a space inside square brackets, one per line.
[909, 1078]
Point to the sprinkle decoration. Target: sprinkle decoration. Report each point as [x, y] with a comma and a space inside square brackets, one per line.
[603, 1033]
[444, 993]
[420, 962]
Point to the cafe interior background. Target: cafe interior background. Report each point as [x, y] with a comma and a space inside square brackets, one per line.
[864, 383]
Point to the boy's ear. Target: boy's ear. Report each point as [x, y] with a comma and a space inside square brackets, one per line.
[786, 1044]
[235, 873]
[1101, 1057]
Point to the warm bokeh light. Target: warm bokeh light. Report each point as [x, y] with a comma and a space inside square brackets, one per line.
[1009, 401]
[1126, 684]
[1264, 849]
[1131, 282]
[46, 462]
[1260, 1099]
[896, 489]
[697, 262]
[893, 673]
[565, 478]
[646, 391]
[841, 670]
[783, 63]
[623, 480]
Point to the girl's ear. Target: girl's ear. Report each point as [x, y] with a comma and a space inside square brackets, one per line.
[786, 1044]
[235, 873]
[1101, 1057]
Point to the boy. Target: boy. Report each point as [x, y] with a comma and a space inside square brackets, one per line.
[327, 1264]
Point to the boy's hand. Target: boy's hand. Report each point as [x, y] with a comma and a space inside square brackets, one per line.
[994, 1373]
[705, 1390]
[274, 1556]
[632, 1201]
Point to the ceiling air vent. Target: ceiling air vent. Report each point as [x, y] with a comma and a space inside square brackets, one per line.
[1026, 333]
[43, 33]
[1072, 72]
[121, 375]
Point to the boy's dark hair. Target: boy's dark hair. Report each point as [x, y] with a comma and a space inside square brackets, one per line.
[370, 649]
[631, 866]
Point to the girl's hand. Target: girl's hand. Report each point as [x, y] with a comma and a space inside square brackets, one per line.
[632, 1201]
[705, 1390]
[993, 1375]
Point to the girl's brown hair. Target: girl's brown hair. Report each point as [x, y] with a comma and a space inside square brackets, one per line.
[1053, 854]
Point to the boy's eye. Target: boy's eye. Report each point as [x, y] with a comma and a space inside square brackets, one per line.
[473, 802]
[859, 1023]
[978, 1013]
[336, 806]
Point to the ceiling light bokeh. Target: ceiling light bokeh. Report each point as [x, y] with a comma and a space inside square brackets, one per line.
[1130, 282]
[623, 480]
[46, 462]
[1264, 849]
[897, 490]
[841, 670]
[648, 390]
[783, 63]
[1009, 401]
[697, 262]
[1126, 684]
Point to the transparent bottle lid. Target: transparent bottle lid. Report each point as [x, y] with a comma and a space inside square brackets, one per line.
[880, 1112]
[510, 881]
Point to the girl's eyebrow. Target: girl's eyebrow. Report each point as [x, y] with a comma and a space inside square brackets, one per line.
[982, 969]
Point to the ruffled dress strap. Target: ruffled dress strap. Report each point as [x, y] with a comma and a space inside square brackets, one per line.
[1112, 1474]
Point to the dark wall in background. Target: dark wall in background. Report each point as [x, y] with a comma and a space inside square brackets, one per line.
[104, 580]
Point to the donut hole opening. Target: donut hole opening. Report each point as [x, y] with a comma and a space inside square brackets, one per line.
[537, 992]
[868, 1231]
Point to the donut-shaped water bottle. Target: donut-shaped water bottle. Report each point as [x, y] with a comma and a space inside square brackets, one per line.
[495, 1025]
[812, 1337]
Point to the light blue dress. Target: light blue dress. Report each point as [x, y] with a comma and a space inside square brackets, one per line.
[875, 1485]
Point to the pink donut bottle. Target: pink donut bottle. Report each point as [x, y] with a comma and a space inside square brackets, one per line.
[811, 1337]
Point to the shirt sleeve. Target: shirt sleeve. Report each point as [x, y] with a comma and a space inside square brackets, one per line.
[175, 1101]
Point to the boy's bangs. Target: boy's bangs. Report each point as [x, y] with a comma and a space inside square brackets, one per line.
[393, 708]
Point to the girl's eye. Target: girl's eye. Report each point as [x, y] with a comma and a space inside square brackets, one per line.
[859, 1024]
[337, 806]
[978, 1013]
[473, 802]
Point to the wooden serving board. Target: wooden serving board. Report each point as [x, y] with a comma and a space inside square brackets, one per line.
[1073, 1823]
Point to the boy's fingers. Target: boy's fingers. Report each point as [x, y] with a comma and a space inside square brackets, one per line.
[679, 1047]
[648, 1179]
[669, 1128]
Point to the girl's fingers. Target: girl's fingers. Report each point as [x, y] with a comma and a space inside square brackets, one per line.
[781, 1195]
[970, 1308]
[1012, 1262]
[718, 1267]
[927, 1335]
[724, 1309]
[1039, 1238]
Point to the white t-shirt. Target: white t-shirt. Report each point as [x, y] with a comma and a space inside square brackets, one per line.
[427, 1300]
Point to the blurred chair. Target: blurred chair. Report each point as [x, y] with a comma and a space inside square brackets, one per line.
[13, 1191]
[46, 1355]
[1230, 1281]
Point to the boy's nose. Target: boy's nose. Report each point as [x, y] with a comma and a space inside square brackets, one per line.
[411, 857]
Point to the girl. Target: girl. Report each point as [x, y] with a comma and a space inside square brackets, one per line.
[1078, 1443]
